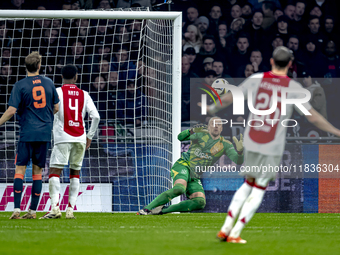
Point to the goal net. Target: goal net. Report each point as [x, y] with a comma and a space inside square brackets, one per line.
[129, 62]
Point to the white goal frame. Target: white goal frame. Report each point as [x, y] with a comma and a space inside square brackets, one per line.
[100, 14]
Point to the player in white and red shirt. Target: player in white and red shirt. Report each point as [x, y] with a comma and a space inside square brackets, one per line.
[264, 145]
[70, 139]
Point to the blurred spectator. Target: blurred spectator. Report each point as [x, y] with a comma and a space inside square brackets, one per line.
[249, 70]
[190, 53]
[208, 50]
[66, 5]
[268, 9]
[222, 35]
[187, 75]
[215, 17]
[235, 12]
[277, 13]
[49, 47]
[193, 38]
[104, 68]
[255, 31]
[113, 82]
[208, 64]
[267, 53]
[134, 3]
[329, 29]
[333, 59]
[105, 4]
[256, 62]
[103, 98]
[289, 10]
[6, 84]
[102, 52]
[121, 64]
[318, 98]
[282, 28]
[75, 5]
[14, 5]
[240, 55]
[218, 67]
[232, 37]
[191, 17]
[131, 105]
[203, 25]
[246, 10]
[314, 29]
[209, 77]
[258, 3]
[313, 58]
[298, 23]
[293, 44]
[80, 28]
[316, 11]
[122, 35]
[76, 56]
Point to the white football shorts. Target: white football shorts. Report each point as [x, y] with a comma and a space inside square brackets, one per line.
[63, 153]
[262, 167]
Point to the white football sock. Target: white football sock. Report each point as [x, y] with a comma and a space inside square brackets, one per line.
[74, 190]
[249, 208]
[54, 189]
[235, 206]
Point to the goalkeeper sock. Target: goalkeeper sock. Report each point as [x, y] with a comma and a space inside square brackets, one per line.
[166, 196]
[249, 208]
[74, 190]
[235, 206]
[196, 203]
[17, 186]
[36, 190]
[54, 189]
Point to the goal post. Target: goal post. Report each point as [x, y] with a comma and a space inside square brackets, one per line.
[133, 156]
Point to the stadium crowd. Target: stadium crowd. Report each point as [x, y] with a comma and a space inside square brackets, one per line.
[229, 39]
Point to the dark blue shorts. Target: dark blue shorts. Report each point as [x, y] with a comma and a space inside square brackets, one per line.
[35, 150]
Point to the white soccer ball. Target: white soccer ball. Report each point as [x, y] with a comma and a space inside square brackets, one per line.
[217, 82]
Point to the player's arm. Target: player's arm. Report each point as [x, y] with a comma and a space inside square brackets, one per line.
[55, 100]
[227, 99]
[235, 155]
[320, 122]
[56, 108]
[95, 118]
[8, 114]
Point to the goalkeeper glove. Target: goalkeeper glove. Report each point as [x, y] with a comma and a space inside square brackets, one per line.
[239, 144]
[199, 128]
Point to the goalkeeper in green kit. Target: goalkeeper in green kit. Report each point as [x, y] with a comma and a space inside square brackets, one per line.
[207, 146]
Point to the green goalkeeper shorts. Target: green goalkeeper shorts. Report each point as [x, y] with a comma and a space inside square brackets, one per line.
[181, 170]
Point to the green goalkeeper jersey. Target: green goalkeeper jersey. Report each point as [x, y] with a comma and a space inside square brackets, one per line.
[205, 151]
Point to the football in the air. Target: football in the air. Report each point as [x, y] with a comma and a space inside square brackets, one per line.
[217, 82]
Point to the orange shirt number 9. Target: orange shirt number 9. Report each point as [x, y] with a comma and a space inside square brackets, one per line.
[37, 97]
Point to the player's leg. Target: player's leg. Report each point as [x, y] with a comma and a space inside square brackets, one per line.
[255, 198]
[54, 191]
[39, 151]
[59, 158]
[21, 160]
[196, 199]
[76, 160]
[235, 206]
[180, 175]
[249, 208]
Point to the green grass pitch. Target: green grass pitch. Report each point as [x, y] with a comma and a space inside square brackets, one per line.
[184, 234]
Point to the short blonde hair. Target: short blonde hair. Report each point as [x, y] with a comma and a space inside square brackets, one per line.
[32, 61]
